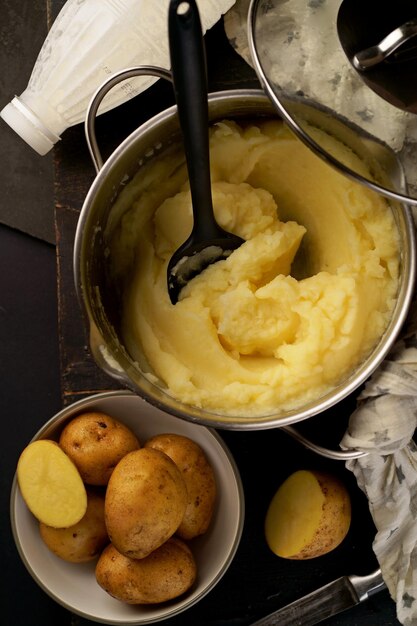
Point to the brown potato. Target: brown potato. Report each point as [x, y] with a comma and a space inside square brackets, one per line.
[83, 541]
[96, 442]
[308, 516]
[51, 484]
[199, 480]
[166, 573]
[145, 502]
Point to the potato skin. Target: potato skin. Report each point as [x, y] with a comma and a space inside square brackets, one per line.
[96, 442]
[145, 502]
[83, 541]
[199, 480]
[308, 516]
[335, 520]
[168, 572]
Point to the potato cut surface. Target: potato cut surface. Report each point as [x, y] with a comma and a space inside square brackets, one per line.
[308, 516]
[51, 485]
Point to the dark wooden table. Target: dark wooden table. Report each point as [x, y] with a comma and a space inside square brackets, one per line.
[45, 364]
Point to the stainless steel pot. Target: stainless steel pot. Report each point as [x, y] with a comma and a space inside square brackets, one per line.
[99, 297]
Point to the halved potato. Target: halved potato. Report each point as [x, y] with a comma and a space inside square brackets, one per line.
[51, 485]
[308, 516]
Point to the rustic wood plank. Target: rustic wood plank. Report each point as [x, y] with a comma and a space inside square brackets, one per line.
[79, 374]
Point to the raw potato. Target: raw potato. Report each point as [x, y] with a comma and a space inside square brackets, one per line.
[96, 442]
[199, 480]
[166, 573]
[83, 541]
[145, 502]
[51, 485]
[308, 516]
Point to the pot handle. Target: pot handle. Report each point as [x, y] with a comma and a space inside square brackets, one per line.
[112, 81]
[337, 455]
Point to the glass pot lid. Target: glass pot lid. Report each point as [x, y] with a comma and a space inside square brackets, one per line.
[349, 68]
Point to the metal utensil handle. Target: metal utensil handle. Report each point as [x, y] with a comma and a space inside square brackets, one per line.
[337, 455]
[333, 598]
[367, 586]
[112, 81]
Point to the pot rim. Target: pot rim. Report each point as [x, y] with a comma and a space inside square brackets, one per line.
[110, 362]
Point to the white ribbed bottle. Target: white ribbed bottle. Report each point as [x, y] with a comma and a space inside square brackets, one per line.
[90, 40]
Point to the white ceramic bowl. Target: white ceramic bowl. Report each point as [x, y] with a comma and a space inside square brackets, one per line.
[74, 585]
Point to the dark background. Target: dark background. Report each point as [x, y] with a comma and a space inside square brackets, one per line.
[45, 363]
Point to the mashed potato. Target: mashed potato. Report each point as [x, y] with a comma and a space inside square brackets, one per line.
[292, 311]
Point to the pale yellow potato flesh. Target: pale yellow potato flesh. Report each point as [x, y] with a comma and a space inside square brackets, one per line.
[51, 485]
[290, 313]
[308, 516]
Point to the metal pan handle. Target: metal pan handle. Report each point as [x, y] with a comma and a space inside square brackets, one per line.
[337, 455]
[112, 81]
